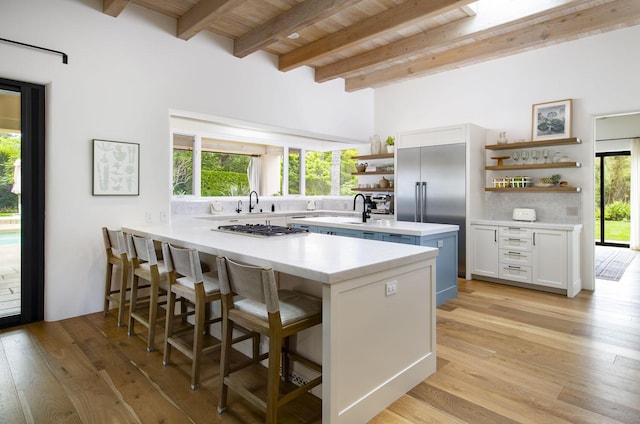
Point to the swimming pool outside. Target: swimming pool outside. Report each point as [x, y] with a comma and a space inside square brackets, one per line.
[8, 238]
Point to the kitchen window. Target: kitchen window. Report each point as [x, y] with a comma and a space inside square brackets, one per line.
[205, 167]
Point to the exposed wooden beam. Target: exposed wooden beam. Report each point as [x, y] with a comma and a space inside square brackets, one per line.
[201, 14]
[114, 7]
[606, 17]
[299, 16]
[467, 30]
[367, 29]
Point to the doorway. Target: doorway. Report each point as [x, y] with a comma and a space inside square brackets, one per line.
[613, 194]
[615, 153]
[21, 202]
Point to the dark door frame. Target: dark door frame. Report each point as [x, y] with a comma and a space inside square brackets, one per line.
[600, 157]
[32, 116]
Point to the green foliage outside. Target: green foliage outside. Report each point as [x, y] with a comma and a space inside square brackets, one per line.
[221, 183]
[617, 211]
[318, 172]
[614, 230]
[347, 167]
[9, 152]
[222, 174]
[617, 187]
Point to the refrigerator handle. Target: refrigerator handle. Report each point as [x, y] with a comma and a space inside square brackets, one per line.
[423, 215]
[418, 203]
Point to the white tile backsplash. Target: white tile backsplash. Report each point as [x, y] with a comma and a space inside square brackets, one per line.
[561, 208]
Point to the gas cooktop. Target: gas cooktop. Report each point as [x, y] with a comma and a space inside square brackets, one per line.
[264, 230]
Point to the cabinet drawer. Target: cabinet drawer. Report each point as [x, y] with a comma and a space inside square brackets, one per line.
[515, 273]
[515, 257]
[515, 243]
[515, 232]
[398, 238]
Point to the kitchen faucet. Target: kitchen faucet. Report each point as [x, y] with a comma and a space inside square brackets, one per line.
[239, 207]
[365, 212]
[251, 206]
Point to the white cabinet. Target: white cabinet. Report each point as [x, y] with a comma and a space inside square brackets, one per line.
[532, 255]
[514, 260]
[550, 260]
[485, 250]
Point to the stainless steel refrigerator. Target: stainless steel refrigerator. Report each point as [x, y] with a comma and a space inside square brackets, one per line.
[430, 187]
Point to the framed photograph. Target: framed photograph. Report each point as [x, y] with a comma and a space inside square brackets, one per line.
[116, 168]
[551, 120]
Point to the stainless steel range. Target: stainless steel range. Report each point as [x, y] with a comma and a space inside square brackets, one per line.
[264, 230]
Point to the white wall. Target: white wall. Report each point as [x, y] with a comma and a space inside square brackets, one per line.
[124, 76]
[599, 73]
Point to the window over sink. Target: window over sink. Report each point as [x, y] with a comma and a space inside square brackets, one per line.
[213, 165]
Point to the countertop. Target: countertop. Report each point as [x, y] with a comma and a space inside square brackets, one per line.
[527, 224]
[378, 225]
[324, 258]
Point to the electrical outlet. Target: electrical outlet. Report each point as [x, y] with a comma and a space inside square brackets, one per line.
[148, 217]
[163, 216]
[391, 288]
[440, 243]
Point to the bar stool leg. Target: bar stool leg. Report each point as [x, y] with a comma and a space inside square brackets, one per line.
[273, 378]
[198, 332]
[171, 304]
[124, 276]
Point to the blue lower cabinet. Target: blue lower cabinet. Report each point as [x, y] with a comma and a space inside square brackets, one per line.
[446, 262]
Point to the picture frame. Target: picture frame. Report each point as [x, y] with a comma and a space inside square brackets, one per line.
[116, 168]
[551, 120]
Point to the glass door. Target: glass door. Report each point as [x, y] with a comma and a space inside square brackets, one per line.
[21, 202]
[10, 204]
[613, 188]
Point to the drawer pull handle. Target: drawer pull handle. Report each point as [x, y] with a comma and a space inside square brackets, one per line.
[514, 268]
[514, 253]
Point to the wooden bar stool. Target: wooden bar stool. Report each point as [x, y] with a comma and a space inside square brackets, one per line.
[145, 265]
[116, 250]
[251, 299]
[189, 285]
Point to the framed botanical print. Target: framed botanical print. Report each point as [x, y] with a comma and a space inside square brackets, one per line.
[551, 120]
[116, 168]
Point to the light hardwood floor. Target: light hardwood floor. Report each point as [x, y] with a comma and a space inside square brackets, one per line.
[505, 355]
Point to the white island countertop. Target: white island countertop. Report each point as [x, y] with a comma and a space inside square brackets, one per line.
[378, 225]
[378, 303]
[317, 257]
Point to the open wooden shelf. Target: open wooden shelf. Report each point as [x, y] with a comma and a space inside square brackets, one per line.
[380, 156]
[534, 144]
[372, 189]
[373, 173]
[565, 189]
[533, 166]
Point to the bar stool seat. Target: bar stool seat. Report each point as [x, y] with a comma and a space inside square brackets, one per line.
[251, 299]
[145, 265]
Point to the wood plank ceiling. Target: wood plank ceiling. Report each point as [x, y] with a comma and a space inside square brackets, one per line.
[373, 43]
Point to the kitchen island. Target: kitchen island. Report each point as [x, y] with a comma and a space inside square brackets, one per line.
[442, 236]
[377, 339]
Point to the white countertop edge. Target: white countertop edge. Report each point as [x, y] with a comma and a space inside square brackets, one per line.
[527, 224]
[379, 225]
